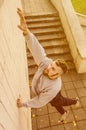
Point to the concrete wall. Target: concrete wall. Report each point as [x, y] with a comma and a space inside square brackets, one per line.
[82, 19]
[74, 33]
[13, 70]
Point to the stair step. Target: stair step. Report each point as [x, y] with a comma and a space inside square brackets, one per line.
[66, 57]
[42, 15]
[50, 36]
[32, 71]
[42, 20]
[49, 31]
[58, 50]
[43, 25]
[46, 30]
[53, 51]
[54, 43]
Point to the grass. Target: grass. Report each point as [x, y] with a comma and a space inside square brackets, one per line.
[79, 6]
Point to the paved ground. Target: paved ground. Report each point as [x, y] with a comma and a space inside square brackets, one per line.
[46, 118]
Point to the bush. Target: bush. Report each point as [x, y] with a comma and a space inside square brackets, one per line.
[79, 6]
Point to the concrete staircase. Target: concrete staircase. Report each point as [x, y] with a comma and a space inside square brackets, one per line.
[49, 31]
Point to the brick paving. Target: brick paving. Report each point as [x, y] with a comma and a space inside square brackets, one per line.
[74, 84]
[47, 117]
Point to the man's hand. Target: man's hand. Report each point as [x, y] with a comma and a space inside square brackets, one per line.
[19, 103]
[23, 25]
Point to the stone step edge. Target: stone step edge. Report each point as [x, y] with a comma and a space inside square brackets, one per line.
[47, 32]
[50, 54]
[41, 20]
[41, 39]
[56, 25]
[28, 15]
[64, 44]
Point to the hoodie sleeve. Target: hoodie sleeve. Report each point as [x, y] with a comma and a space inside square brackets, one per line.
[41, 100]
[35, 48]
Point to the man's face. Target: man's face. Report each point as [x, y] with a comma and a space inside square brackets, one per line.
[53, 71]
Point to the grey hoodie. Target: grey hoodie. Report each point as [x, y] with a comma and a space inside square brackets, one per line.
[44, 88]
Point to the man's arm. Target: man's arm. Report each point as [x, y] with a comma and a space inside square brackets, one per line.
[34, 46]
[38, 101]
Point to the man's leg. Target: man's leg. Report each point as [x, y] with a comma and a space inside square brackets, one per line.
[68, 101]
[59, 101]
[63, 101]
[60, 109]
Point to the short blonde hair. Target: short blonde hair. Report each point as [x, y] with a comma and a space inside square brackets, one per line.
[62, 63]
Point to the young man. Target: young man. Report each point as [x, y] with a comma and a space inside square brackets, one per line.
[46, 84]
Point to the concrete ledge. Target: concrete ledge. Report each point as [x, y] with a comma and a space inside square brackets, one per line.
[74, 33]
[82, 19]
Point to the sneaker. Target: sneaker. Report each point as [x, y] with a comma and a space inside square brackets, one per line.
[64, 116]
[77, 103]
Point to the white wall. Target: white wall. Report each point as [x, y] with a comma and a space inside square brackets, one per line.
[13, 69]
